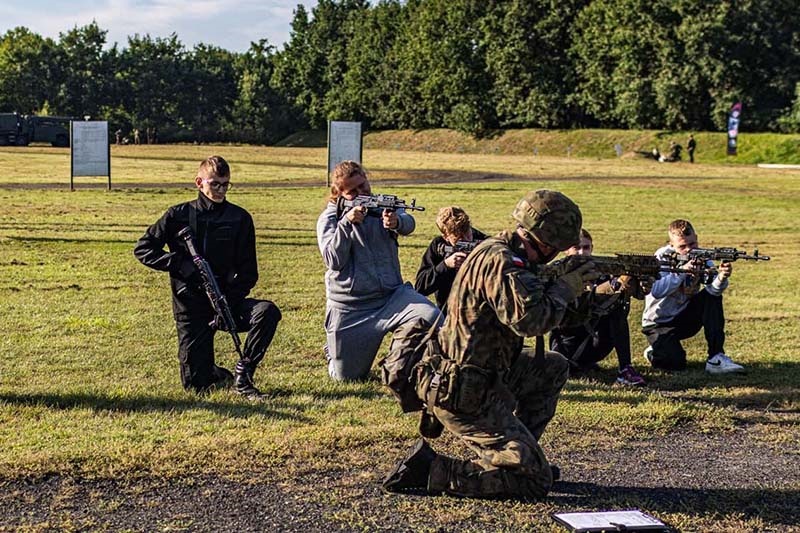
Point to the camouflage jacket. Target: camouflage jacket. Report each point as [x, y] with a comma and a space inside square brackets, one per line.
[497, 299]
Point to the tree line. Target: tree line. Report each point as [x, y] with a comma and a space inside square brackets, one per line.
[472, 65]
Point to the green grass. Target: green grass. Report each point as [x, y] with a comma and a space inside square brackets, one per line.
[89, 377]
[579, 143]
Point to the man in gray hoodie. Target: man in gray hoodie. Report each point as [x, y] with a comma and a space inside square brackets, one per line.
[366, 296]
[679, 305]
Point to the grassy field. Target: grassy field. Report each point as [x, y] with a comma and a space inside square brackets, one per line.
[580, 143]
[89, 383]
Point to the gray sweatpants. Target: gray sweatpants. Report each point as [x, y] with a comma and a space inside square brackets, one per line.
[355, 335]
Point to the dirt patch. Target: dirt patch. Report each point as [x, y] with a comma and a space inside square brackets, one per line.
[714, 482]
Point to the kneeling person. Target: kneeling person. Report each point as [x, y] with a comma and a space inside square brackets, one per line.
[476, 377]
[679, 305]
[440, 264]
[584, 348]
[366, 295]
[225, 236]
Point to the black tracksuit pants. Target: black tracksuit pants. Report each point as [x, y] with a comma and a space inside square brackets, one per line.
[611, 332]
[704, 311]
[196, 338]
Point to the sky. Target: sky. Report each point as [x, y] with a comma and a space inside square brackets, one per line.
[230, 24]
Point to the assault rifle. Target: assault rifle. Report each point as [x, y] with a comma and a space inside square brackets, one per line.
[215, 296]
[460, 246]
[637, 265]
[701, 256]
[378, 202]
[727, 255]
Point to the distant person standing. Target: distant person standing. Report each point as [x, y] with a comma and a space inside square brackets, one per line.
[136, 139]
[690, 146]
[118, 134]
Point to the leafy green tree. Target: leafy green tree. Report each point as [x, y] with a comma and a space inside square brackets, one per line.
[155, 73]
[741, 51]
[527, 44]
[83, 70]
[442, 78]
[367, 83]
[206, 106]
[619, 47]
[261, 114]
[310, 70]
[26, 71]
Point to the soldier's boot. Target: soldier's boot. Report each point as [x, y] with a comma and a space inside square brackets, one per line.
[243, 383]
[410, 474]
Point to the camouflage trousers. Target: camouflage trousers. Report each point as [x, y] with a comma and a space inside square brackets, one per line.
[505, 433]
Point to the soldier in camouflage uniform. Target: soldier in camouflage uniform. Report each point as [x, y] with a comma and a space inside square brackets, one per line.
[476, 378]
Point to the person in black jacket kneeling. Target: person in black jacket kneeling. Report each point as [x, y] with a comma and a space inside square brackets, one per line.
[225, 237]
[446, 253]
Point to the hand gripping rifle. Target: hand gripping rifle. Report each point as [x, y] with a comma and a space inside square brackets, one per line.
[460, 246]
[215, 296]
[378, 202]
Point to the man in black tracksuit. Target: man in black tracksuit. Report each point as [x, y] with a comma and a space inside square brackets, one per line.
[225, 236]
[441, 260]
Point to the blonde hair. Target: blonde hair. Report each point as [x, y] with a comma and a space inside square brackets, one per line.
[453, 221]
[341, 172]
[214, 166]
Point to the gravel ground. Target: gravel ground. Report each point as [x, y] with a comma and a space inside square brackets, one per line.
[718, 480]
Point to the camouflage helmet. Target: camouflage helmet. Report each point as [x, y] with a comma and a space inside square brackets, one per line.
[551, 217]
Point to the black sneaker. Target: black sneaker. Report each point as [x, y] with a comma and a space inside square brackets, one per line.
[410, 475]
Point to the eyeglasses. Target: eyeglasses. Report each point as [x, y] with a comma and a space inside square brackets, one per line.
[218, 185]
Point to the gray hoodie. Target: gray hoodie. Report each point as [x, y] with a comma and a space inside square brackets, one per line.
[666, 300]
[362, 262]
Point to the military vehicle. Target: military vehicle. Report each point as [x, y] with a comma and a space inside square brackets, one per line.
[20, 130]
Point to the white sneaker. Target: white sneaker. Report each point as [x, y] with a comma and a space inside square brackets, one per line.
[648, 354]
[722, 364]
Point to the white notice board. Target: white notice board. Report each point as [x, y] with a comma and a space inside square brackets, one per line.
[90, 152]
[344, 143]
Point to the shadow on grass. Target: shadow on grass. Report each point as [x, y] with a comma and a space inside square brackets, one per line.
[150, 404]
[774, 506]
[20, 238]
[777, 379]
[694, 385]
[65, 226]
